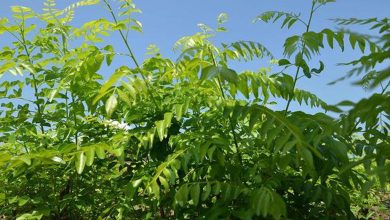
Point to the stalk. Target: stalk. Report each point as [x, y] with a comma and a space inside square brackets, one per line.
[132, 57]
[34, 84]
[230, 118]
[301, 52]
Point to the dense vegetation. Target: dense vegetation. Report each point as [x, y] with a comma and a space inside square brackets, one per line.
[187, 138]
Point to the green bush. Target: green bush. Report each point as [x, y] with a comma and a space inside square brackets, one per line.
[182, 139]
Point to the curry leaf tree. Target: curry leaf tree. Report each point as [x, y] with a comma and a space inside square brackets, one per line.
[186, 138]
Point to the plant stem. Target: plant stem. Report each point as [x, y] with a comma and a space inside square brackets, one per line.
[39, 108]
[385, 88]
[73, 98]
[230, 118]
[75, 121]
[301, 52]
[124, 39]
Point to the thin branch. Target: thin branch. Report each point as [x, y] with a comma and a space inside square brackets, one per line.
[299, 68]
[230, 118]
[35, 87]
[124, 38]
[385, 88]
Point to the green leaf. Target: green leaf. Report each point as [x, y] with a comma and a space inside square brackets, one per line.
[167, 119]
[111, 81]
[117, 151]
[99, 148]
[227, 191]
[80, 162]
[221, 29]
[222, 18]
[111, 104]
[20, 9]
[90, 156]
[340, 39]
[28, 216]
[339, 150]
[23, 200]
[170, 161]
[291, 23]
[6, 67]
[361, 44]
[178, 111]
[242, 85]
[352, 40]
[21, 12]
[261, 201]
[195, 193]
[164, 183]
[307, 157]
[132, 187]
[246, 50]
[160, 129]
[320, 69]
[58, 160]
[228, 75]
[278, 208]
[130, 90]
[217, 188]
[169, 175]
[291, 45]
[110, 55]
[29, 67]
[25, 158]
[2, 198]
[283, 62]
[286, 20]
[155, 189]
[281, 141]
[306, 72]
[119, 26]
[93, 63]
[181, 196]
[123, 96]
[289, 18]
[100, 95]
[300, 62]
[206, 192]
[346, 103]
[294, 130]
[255, 115]
[209, 72]
[329, 37]
[223, 72]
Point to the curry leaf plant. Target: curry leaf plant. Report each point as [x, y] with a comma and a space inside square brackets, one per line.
[188, 138]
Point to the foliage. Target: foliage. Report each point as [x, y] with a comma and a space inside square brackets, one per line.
[143, 145]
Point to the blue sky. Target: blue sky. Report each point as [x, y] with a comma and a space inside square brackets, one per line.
[166, 21]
